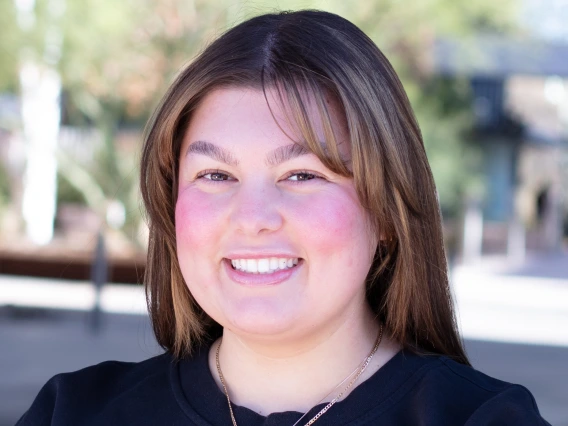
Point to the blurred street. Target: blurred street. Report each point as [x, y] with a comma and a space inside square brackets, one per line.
[514, 319]
[505, 301]
[39, 343]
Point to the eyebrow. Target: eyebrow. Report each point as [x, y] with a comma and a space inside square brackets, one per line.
[211, 150]
[273, 158]
[285, 153]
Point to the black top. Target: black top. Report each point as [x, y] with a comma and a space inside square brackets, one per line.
[408, 390]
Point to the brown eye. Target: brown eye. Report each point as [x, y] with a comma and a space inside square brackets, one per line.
[214, 176]
[217, 176]
[302, 176]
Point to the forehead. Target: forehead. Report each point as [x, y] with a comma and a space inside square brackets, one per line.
[234, 111]
[230, 113]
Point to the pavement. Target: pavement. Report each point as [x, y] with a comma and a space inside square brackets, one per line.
[501, 301]
[37, 343]
[513, 317]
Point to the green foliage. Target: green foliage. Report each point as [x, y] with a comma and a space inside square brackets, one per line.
[67, 192]
[4, 186]
[9, 45]
[118, 57]
[128, 52]
[445, 116]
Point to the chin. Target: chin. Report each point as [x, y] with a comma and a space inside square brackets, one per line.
[260, 318]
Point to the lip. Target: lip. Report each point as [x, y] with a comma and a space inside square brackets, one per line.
[248, 279]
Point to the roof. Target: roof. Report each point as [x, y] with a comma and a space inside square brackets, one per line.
[500, 57]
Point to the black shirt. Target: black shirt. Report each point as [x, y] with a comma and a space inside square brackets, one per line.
[408, 390]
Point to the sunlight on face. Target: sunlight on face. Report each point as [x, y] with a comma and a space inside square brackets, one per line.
[270, 242]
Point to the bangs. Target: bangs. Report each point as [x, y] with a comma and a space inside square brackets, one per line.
[297, 95]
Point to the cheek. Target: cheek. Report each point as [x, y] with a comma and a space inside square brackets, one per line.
[197, 219]
[334, 225]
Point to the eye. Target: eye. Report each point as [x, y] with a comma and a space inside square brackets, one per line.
[302, 176]
[214, 176]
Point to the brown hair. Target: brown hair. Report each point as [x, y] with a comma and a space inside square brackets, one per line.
[324, 55]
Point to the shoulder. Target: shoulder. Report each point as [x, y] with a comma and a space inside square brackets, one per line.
[112, 377]
[95, 392]
[461, 394]
[433, 390]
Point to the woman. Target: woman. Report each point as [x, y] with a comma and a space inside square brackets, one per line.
[295, 269]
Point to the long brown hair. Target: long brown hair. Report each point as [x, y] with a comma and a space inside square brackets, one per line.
[324, 55]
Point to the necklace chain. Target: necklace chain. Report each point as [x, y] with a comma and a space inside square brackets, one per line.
[359, 371]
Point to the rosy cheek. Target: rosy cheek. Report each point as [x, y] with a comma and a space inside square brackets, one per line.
[329, 223]
[197, 218]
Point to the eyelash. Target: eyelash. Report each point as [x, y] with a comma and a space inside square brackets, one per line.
[312, 176]
[204, 173]
[302, 172]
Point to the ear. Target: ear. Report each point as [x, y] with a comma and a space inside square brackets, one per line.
[383, 237]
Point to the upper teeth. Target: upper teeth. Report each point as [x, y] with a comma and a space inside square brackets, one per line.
[264, 266]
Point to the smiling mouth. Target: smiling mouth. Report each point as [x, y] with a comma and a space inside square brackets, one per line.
[267, 265]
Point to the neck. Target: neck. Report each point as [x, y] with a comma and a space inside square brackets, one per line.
[270, 376]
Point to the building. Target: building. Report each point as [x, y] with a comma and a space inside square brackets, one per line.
[520, 101]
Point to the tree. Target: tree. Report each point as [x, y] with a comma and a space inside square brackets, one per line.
[118, 58]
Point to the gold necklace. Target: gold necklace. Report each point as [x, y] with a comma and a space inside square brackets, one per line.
[360, 369]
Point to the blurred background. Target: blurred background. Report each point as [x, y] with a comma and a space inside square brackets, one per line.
[78, 79]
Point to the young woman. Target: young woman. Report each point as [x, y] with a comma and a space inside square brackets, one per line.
[296, 272]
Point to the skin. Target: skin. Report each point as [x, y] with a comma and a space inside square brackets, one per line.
[285, 343]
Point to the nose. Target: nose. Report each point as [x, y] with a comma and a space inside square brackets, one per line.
[255, 209]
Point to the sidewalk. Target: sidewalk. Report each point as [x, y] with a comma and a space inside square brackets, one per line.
[39, 343]
[495, 305]
[72, 295]
[527, 303]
